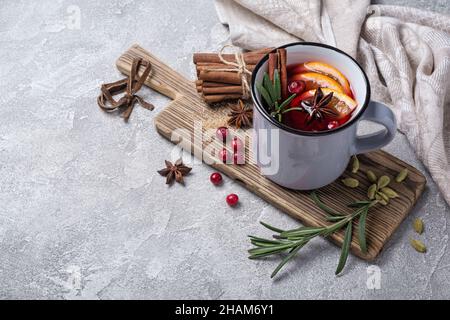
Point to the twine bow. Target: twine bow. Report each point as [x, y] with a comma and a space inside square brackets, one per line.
[239, 66]
[130, 85]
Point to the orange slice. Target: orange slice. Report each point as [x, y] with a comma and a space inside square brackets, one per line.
[341, 102]
[323, 68]
[314, 80]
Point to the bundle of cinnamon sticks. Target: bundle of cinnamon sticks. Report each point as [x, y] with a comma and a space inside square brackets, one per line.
[219, 81]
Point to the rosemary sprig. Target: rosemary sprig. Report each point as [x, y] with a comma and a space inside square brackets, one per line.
[271, 93]
[293, 240]
[345, 248]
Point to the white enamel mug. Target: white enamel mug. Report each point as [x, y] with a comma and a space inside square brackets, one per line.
[305, 160]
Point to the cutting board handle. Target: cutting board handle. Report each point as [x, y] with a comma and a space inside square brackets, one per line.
[162, 78]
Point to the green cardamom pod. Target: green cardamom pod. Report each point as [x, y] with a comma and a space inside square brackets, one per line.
[378, 197]
[401, 175]
[418, 225]
[418, 245]
[350, 182]
[355, 164]
[383, 196]
[389, 192]
[383, 202]
[371, 176]
[371, 191]
[383, 181]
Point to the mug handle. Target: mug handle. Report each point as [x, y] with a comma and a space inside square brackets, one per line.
[379, 113]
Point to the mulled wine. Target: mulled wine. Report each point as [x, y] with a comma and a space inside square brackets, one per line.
[319, 97]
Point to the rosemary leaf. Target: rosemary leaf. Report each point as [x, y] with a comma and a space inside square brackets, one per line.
[301, 228]
[287, 258]
[294, 238]
[260, 244]
[334, 218]
[268, 85]
[345, 248]
[358, 204]
[292, 109]
[265, 240]
[277, 84]
[323, 206]
[337, 226]
[268, 226]
[362, 230]
[277, 113]
[265, 94]
[287, 101]
[301, 232]
[266, 251]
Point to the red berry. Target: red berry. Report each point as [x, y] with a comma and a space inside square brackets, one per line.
[222, 133]
[224, 155]
[232, 199]
[332, 124]
[236, 144]
[238, 158]
[216, 178]
[296, 86]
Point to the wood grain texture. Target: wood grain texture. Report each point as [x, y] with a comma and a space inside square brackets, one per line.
[188, 110]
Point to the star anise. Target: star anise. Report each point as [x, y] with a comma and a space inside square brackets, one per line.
[240, 116]
[174, 171]
[317, 107]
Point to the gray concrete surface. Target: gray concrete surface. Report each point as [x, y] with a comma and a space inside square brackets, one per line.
[83, 213]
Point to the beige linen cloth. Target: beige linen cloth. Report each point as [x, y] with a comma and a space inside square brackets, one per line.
[405, 52]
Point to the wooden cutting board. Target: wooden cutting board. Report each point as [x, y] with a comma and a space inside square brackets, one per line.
[187, 108]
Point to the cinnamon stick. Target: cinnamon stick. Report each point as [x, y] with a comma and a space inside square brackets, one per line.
[208, 84]
[209, 64]
[249, 58]
[263, 50]
[249, 67]
[220, 90]
[220, 76]
[272, 64]
[283, 72]
[221, 97]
